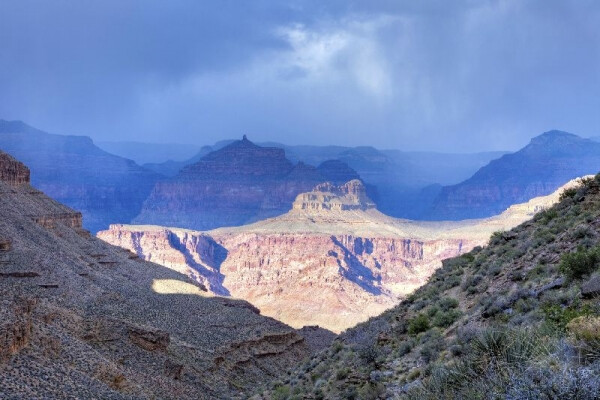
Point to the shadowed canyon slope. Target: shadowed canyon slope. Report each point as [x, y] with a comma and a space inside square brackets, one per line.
[333, 260]
[82, 318]
[237, 184]
[538, 169]
[72, 170]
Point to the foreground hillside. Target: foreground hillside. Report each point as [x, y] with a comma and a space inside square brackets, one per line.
[334, 260]
[517, 319]
[83, 319]
[74, 171]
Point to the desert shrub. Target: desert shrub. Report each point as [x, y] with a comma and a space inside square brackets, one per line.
[471, 282]
[404, 348]
[494, 364]
[568, 193]
[444, 319]
[546, 216]
[432, 345]
[281, 392]
[558, 317]
[370, 391]
[341, 373]
[582, 232]
[432, 311]
[586, 328]
[580, 262]
[418, 324]
[447, 303]
[450, 282]
[496, 238]
[369, 353]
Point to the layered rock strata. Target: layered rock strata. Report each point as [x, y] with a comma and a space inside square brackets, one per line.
[333, 260]
[235, 185]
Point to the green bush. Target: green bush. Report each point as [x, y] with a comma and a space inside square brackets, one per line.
[418, 324]
[579, 263]
[447, 303]
[281, 393]
[559, 317]
[444, 319]
[568, 193]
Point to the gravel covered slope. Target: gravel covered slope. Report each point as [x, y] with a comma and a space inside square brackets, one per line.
[83, 319]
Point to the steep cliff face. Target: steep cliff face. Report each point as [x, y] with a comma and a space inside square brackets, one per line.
[333, 260]
[299, 278]
[12, 172]
[82, 318]
[538, 169]
[237, 184]
[71, 169]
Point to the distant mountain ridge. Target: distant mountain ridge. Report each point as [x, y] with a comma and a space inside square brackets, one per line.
[71, 169]
[237, 184]
[547, 162]
[143, 153]
[403, 183]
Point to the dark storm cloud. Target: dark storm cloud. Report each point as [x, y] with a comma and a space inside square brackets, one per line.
[459, 75]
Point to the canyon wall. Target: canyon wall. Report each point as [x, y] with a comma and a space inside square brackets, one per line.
[333, 260]
[334, 281]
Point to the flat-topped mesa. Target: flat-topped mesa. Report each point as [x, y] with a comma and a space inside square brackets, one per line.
[329, 197]
[12, 171]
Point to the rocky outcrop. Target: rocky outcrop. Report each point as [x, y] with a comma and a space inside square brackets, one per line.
[240, 353]
[235, 185]
[538, 169]
[12, 171]
[72, 220]
[5, 244]
[15, 326]
[151, 340]
[327, 196]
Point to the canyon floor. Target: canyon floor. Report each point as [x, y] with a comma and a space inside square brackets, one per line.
[333, 260]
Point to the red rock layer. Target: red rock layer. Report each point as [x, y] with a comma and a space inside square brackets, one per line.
[12, 171]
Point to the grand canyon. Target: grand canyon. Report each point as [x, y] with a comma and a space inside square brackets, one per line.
[361, 262]
[300, 200]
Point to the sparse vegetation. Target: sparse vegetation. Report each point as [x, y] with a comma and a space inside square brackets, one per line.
[507, 321]
[418, 324]
[580, 262]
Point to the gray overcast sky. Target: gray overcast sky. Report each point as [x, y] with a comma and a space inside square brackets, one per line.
[440, 75]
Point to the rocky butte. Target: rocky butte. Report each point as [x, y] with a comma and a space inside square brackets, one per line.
[237, 184]
[84, 319]
[333, 260]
